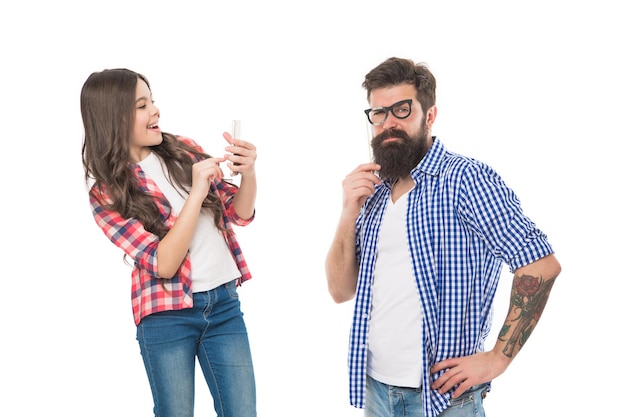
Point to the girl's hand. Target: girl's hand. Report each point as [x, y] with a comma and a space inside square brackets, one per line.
[203, 173]
[241, 155]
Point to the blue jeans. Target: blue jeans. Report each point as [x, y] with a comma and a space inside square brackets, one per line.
[213, 331]
[382, 400]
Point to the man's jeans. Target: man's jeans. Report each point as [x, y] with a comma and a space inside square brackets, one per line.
[382, 400]
[213, 331]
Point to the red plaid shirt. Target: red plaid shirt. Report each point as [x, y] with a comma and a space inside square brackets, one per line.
[149, 293]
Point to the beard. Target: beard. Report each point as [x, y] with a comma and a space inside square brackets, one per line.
[398, 158]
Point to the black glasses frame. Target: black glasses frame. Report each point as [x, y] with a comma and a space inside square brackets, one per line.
[388, 109]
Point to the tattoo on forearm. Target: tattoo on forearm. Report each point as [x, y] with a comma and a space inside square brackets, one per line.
[528, 299]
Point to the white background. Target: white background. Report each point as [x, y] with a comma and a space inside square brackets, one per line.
[536, 89]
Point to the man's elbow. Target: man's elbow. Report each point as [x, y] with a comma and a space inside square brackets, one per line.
[552, 266]
[340, 295]
[547, 268]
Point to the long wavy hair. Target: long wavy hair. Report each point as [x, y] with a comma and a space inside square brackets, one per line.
[107, 104]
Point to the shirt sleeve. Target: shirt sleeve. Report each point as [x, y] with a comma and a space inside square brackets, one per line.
[127, 234]
[226, 192]
[493, 211]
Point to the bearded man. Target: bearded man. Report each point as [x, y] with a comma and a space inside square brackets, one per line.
[420, 243]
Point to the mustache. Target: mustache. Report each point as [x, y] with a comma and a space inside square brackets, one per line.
[390, 133]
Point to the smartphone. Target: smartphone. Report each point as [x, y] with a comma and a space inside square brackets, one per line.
[236, 129]
[235, 133]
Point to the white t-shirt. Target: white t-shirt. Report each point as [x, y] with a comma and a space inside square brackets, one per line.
[395, 330]
[212, 263]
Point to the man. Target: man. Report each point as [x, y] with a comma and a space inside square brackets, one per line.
[421, 245]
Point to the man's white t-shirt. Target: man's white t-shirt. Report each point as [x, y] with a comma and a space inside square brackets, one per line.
[395, 330]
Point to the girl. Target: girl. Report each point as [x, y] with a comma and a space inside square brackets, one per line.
[165, 203]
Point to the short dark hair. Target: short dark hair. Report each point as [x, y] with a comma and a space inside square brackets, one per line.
[396, 71]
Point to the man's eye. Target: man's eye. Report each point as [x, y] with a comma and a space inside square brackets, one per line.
[403, 110]
[378, 113]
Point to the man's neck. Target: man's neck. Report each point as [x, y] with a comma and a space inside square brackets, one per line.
[401, 186]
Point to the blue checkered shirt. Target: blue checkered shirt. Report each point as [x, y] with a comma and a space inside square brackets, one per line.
[462, 223]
